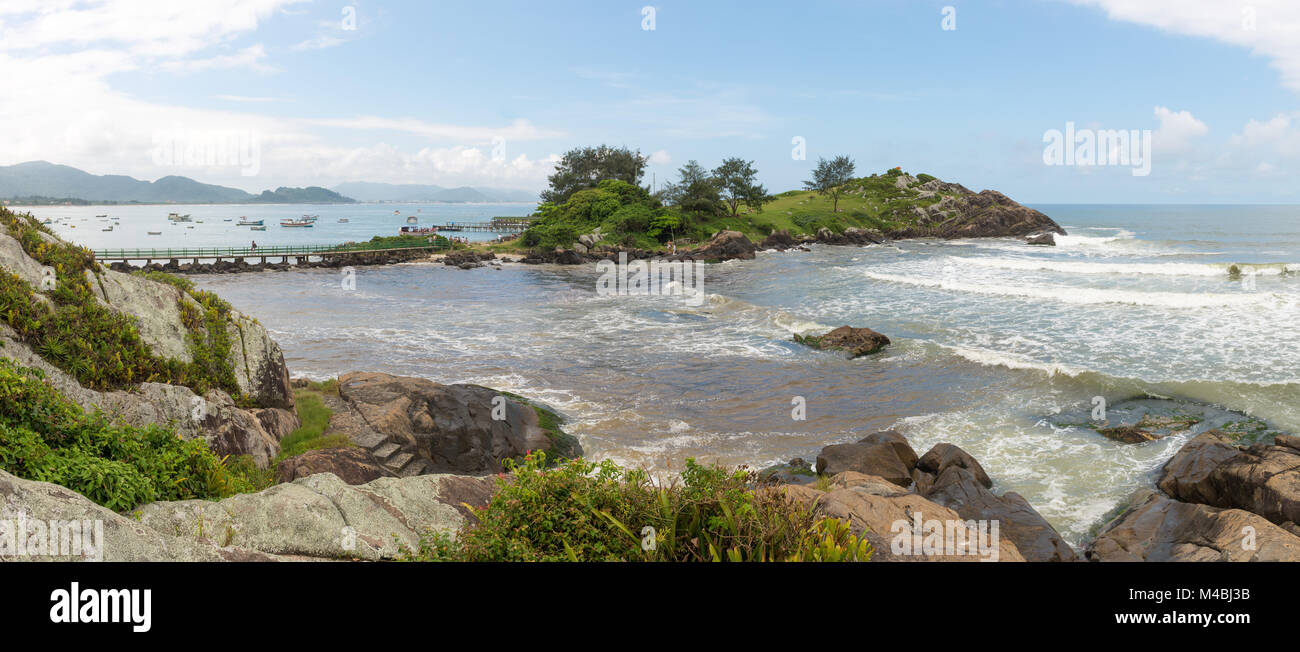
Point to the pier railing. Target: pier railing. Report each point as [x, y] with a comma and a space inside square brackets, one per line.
[268, 251]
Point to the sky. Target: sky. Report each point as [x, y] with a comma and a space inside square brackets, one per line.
[257, 94]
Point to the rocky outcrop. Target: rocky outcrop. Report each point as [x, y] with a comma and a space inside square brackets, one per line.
[465, 259]
[1043, 239]
[966, 214]
[449, 427]
[850, 236]
[901, 526]
[257, 362]
[779, 240]
[885, 454]
[351, 465]
[946, 480]
[1262, 478]
[1156, 528]
[724, 245]
[315, 518]
[854, 341]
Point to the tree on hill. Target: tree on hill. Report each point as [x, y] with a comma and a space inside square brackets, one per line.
[696, 190]
[584, 167]
[737, 182]
[829, 177]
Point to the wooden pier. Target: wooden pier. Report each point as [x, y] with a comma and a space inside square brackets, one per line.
[287, 255]
[498, 224]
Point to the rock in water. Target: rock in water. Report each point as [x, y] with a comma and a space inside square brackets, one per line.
[1156, 528]
[726, 245]
[1042, 239]
[1128, 434]
[856, 341]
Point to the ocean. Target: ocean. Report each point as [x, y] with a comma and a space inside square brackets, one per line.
[997, 346]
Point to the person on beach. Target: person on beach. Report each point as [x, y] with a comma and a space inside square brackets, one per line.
[254, 247]
[672, 246]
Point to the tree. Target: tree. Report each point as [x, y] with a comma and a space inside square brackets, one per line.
[584, 167]
[696, 190]
[738, 184]
[829, 177]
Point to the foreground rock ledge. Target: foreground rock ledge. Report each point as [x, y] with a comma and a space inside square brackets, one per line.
[314, 518]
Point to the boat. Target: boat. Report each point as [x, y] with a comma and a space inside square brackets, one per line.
[297, 223]
[310, 218]
[101, 216]
[155, 233]
[258, 228]
[244, 221]
[343, 220]
[175, 217]
[108, 229]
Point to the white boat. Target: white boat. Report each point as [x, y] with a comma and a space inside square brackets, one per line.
[297, 223]
[175, 217]
[244, 221]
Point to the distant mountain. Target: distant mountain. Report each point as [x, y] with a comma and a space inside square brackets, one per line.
[50, 180]
[308, 195]
[366, 191]
[413, 192]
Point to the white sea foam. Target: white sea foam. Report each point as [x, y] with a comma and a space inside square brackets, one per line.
[1087, 296]
[1165, 269]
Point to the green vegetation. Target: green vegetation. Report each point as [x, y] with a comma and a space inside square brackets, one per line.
[583, 511]
[72, 329]
[46, 437]
[829, 178]
[381, 242]
[315, 418]
[585, 167]
[593, 193]
[564, 446]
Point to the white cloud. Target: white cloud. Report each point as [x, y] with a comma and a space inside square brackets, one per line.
[1267, 28]
[57, 58]
[660, 157]
[518, 130]
[249, 57]
[1177, 129]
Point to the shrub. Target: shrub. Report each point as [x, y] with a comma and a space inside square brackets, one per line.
[46, 437]
[585, 511]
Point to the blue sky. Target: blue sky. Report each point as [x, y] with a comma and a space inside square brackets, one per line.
[488, 93]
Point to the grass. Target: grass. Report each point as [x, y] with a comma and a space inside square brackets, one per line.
[315, 418]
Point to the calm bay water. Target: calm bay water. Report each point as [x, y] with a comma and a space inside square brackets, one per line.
[132, 224]
[992, 338]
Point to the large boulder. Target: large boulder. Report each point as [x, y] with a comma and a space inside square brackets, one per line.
[902, 526]
[1155, 528]
[885, 454]
[1046, 239]
[351, 465]
[1261, 478]
[452, 426]
[967, 214]
[725, 245]
[780, 240]
[959, 489]
[854, 341]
